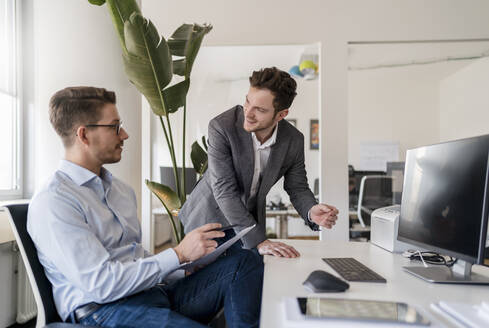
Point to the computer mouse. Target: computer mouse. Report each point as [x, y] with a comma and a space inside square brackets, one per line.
[320, 281]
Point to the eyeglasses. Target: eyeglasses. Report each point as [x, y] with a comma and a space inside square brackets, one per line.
[116, 126]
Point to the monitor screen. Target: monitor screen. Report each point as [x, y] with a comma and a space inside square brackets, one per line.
[444, 197]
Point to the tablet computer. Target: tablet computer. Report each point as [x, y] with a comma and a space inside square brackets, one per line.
[361, 310]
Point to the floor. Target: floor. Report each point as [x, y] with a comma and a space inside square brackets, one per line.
[162, 247]
[28, 324]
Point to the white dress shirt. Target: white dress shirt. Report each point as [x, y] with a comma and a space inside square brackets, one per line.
[261, 155]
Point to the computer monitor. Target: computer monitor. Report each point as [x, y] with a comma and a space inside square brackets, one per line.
[445, 204]
[168, 178]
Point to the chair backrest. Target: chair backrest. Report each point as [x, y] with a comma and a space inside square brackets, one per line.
[375, 192]
[41, 287]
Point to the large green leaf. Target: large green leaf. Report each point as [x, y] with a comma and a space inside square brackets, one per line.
[166, 195]
[199, 158]
[120, 11]
[97, 2]
[179, 67]
[170, 201]
[148, 62]
[193, 45]
[186, 41]
[183, 32]
[175, 95]
[204, 142]
[177, 47]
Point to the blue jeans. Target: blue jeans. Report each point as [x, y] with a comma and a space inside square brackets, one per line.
[233, 281]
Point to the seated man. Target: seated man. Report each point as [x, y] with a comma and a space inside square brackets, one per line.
[85, 227]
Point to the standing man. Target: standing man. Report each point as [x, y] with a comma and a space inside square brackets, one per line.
[250, 148]
[88, 238]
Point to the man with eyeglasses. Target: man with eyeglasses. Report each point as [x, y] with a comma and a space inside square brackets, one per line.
[88, 238]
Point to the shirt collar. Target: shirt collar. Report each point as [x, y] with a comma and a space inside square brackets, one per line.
[269, 143]
[81, 175]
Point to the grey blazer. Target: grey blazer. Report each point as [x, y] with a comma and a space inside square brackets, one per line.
[222, 194]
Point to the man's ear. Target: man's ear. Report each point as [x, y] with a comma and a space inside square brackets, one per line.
[81, 135]
[282, 114]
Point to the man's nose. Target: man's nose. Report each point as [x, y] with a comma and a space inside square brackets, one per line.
[250, 112]
[123, 134]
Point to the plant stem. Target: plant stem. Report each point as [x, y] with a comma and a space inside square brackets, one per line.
[182, 231]
[184, 189]
[169, 140]
[169, 145]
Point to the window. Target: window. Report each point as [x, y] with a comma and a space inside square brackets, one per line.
[10, 145]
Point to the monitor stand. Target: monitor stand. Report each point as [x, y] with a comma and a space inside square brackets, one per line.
[460, 273]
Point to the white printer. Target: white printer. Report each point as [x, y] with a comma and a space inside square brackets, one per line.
[384, 224]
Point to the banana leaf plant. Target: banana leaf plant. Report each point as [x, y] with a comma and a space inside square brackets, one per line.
[199, 157]
[150, 63]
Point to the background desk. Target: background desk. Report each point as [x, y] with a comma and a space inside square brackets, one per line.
[284, 277]
[282, 216]
[290, 225]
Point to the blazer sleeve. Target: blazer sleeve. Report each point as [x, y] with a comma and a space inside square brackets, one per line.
[295, 184]
[224, 185]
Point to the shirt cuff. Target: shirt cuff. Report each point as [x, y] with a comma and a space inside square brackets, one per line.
[312, 224]
[174, 276]
[168, 262]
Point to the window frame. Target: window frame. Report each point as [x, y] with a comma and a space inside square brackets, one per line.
[17, 191]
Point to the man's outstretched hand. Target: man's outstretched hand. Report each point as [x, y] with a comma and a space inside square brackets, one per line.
[324, 215]
[276, 248]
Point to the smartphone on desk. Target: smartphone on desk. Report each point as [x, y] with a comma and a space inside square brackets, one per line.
[360, 310]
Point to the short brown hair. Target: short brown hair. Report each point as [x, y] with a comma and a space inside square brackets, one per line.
[280, 83]
[74, 106]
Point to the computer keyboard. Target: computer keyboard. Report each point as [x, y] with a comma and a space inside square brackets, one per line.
[352, 270]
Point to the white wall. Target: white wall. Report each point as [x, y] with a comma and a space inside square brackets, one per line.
[75, 44]
[398, 104]
[464, 102]
[333, 23]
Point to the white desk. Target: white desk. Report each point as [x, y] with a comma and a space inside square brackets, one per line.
[284, 277]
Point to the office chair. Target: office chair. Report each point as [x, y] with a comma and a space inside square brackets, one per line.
[375, 192]
[41, 287]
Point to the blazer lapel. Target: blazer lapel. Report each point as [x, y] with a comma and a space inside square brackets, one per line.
[246, 155]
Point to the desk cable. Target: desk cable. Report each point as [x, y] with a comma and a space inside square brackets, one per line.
[430, 258]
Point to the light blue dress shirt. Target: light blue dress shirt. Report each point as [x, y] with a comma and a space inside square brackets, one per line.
[88, 239]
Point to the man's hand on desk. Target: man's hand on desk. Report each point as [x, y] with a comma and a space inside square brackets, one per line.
[324, 215]
[276, 248]
[198, 242]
